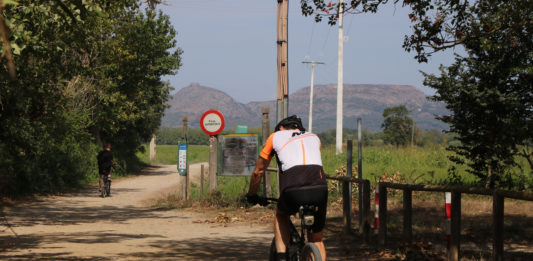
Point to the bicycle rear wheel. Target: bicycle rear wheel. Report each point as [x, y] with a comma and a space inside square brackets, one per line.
[108, 187]
[310, 252]
[104, 191]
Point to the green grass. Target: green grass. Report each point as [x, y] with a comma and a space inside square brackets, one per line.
[415, 164]
[428, 165]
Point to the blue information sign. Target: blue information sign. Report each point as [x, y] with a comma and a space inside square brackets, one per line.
[182, 159]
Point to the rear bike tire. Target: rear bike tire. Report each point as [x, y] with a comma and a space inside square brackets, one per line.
[103, 193]
[273, 255]
[108, 188]
[310, 252]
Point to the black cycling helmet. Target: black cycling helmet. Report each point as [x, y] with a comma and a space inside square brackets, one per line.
[291, 122]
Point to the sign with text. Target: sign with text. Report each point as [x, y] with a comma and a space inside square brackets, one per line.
[182, 159]
[238, 154]
[212, 122]
[242, 129]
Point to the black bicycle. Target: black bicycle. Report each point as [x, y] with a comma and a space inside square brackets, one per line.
[299, 248]
[106, 190]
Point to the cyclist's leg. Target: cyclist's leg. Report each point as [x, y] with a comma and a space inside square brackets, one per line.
[315, 233]
[316, 238]
[100, 181]
[281, 231]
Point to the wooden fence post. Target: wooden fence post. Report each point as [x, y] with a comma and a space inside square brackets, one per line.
[455, 244]
[497, 219]
[366, 212]
[382, 214]
[265, 132]
[347, 191]
[202, 180]
[346, 206]
[407, 215]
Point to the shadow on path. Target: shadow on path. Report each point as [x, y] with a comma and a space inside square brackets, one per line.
[221, 248]
[49, 213]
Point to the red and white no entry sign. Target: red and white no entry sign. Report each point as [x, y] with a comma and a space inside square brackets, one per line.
[212, 122]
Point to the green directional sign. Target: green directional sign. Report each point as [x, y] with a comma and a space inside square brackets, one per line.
[242, 129]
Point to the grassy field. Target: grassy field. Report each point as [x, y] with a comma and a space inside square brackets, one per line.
[428, 165]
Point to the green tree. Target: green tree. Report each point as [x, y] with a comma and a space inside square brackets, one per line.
[488, 90]
[134, 97]
[78, 79]
[397, 126]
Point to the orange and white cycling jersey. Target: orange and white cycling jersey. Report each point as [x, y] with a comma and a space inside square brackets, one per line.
[293, 148]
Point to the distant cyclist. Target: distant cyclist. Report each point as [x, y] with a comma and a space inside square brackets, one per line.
[301, 178]
[105, 162]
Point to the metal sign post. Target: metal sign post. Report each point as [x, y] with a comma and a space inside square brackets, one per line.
[212, 123]
[183, 162]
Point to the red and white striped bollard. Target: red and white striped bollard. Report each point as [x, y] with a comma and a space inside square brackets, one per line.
[448, 197]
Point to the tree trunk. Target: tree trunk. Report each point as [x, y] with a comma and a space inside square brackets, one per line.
[528, 156]
[489, 182]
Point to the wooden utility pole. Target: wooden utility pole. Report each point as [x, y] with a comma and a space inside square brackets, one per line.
[283, 61]
[338, 136]
[311, 93]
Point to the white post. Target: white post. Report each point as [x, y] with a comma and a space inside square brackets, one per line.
[311, 98]
[311, 93]
[152, 148]
[340, 82]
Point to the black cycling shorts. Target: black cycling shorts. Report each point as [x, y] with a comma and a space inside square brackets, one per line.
[105, 171]
[290, 202]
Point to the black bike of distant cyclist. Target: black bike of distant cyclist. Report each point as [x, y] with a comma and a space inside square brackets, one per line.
[298, 248]
[106, 190]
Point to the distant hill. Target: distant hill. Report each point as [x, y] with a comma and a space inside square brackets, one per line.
[366, 101]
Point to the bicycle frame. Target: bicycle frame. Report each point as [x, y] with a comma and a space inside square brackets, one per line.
[300, 237]
[297, 240]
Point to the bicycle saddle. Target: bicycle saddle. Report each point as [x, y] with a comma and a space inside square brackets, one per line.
[307, 212]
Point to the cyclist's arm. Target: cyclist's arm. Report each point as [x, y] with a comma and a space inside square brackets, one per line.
[259, 171]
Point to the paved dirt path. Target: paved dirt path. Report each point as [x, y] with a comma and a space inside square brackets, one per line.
[83, 226]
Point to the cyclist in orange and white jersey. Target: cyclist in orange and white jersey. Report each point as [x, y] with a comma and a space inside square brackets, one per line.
[301, 178]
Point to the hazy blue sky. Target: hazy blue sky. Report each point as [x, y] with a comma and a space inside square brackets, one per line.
[230, 45]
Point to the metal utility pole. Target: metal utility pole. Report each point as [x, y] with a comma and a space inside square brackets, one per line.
[340, 83]
[283, 62]
[311, 93]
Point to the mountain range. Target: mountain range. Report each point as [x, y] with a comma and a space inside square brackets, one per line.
[365, 101]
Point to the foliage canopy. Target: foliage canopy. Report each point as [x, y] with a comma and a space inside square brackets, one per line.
[86, 72]
[397, 126]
